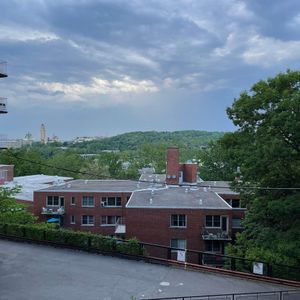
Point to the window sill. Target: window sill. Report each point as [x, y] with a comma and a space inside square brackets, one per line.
[108, 225]
[178, 227]
[85, 206]
[87, 225]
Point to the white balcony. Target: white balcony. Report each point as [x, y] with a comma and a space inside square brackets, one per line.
[215, 234]
[53, 210]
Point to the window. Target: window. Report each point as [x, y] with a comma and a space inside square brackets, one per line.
[236, 223]
[88, 201]
[73, 200]
[212, 221]
[179, 244]
[55, 201]
[110, 220]
[212, 246]
[111, 201]
[178, 220]
[72, 220]
[235, 203]
[87, 220]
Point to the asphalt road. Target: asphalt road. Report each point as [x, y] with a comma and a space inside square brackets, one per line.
[34, 272]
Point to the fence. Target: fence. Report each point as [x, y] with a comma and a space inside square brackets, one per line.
[274, 295]
[223, 261]
[96, 242]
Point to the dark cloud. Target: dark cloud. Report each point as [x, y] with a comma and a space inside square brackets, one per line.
[121, 60]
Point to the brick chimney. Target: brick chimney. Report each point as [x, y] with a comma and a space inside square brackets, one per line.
[190, 172]
[172, 172]
[6, 173]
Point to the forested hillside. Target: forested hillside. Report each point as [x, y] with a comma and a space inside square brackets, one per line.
[133, 140]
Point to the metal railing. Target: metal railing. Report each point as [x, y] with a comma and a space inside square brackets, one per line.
[272, 295]
[223, 261]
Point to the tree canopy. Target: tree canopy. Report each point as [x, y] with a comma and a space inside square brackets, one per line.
[267, 148]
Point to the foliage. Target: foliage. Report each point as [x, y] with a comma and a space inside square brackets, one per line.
[267, 148]
[82, 240]
[10, 210]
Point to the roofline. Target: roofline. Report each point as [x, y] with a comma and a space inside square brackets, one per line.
[223, 200]
[81, 191]
[180, 207]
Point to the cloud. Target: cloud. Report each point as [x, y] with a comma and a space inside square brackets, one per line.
[99, 86]
[23, 34]
[266, 51]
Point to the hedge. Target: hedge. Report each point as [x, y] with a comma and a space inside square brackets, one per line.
[82, 240]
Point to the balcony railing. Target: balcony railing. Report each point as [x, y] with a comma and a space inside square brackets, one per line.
[3, 69]
[3, 105]
[53, 211]
[215, 234]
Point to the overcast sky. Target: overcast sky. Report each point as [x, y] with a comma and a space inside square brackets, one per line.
[87, 67]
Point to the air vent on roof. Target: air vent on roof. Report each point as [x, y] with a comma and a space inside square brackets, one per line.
[151, 200]
[205, 189]
[86, 181]
[68, 185]
[200, 201]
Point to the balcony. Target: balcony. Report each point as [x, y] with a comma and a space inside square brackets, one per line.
[215, 234]
[3, 68]
[3, 105]
[53, 211]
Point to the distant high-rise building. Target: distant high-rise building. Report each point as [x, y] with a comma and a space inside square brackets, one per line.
[43, 134]
[3, 101]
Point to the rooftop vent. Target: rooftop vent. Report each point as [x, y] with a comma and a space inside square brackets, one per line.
[200, 202]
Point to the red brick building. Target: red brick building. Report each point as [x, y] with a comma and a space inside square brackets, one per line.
[174, 209]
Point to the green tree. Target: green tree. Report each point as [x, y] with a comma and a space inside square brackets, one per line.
[10, 210]
[268, 149]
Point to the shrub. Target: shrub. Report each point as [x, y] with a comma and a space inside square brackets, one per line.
[35, 232]
[131, 246]
[78, 239]
[103, 243]
[15, 230]
[56, 235]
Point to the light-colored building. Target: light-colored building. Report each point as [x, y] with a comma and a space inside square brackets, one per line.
[43, 134]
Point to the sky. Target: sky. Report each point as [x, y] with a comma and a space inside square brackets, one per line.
[104, 67]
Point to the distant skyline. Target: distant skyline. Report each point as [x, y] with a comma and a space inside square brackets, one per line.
[98, 68]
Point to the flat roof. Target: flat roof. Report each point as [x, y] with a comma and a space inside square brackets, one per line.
[220, 187]
[31, 183]
[153, 177]
[99, 186]
[177, 197]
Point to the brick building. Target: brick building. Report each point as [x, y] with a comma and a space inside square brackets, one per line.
[173, 209]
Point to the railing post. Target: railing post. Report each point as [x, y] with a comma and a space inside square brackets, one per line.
[269, 270]
[200, 257]
[281, 298]
[232, 262]
[169, 253]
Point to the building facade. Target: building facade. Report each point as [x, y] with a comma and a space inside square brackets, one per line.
[175, 210]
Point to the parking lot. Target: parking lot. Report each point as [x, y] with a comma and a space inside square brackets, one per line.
[34, 272]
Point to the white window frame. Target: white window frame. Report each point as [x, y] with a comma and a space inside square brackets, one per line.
[106, 224]
[178, 221]
[72, 220]
[88, 199]
[213, 216]
[179, 248]
[73, 200]
[52, 205]
[104, 201]
[88, 219]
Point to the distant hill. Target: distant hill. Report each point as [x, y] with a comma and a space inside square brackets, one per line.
[132, 140]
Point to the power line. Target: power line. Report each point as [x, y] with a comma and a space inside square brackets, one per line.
[152, 181]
